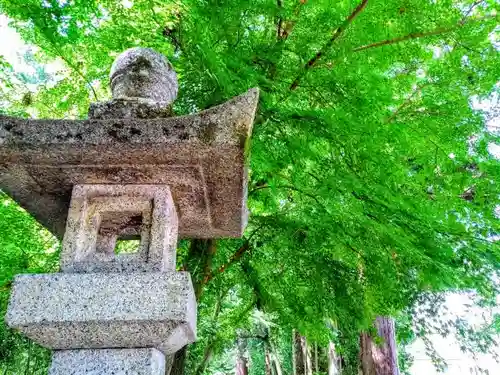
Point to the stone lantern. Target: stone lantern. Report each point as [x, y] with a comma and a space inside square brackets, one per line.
[130, 171]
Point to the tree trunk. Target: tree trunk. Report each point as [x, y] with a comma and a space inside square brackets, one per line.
[275, 361]
[379, 359]
[316, 361]
[333, 360]
[207, 354]
[307, 356]
[268, 363]
[241, 365]
[301, 355]
[297, 360]
[178, 363]
[241, 360]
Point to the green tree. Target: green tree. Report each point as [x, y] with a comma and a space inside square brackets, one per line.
[366, 153]
[25, 248]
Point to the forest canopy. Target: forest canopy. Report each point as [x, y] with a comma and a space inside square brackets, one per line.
[373, 188]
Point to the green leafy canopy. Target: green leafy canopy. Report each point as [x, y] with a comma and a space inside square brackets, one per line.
[370, 177]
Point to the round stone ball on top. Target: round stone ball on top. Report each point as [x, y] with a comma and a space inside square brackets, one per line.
[143, 73]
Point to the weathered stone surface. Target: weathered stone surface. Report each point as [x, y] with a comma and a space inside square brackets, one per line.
[116, 310]
[108, 362]
[202, 158]
[143, 73]
[100, 214]
[129, 108]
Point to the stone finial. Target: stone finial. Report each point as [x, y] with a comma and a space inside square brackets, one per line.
[144, 85]
[143, 73]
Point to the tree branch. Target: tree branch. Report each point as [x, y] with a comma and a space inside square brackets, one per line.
[72, 66]
[234, 258]
[336, 34]
[404, 38]
[417, 35]
[291, 187]
[202, 251]
[469, 11]
[288, 26]
[406, 103]
[279, 26]
[213, 339]
[77, 71]
[212, 248]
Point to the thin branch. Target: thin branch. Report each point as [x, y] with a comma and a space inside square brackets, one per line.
[238, 34]
[406, 103]
[79, 73]
[211, 250]
[356, 251]
[234, 258]
[257, 189]
[279, 26]
[312, 196]
[60, 54]
[404, 38]
[207, 353]
[314, 176]
[288, 26]
[469, 11]
[72, 66]
[460, 44]
[213, 339]
[290, 187]
[336, 34]
[155, 16]
[417, 35]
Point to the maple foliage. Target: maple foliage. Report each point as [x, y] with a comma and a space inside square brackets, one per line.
[371, 183]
